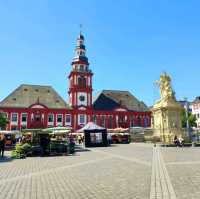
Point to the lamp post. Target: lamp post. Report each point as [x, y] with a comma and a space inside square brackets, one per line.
[186, 115]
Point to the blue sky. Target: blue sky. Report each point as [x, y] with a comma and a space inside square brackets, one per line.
[129, 43]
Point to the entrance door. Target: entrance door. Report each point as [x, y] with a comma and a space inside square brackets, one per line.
[37, 117]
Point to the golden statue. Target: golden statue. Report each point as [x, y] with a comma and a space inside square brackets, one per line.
[166, 91]
[166, 112]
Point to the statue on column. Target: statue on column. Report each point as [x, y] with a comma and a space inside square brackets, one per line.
[166, 91]
[166, 111]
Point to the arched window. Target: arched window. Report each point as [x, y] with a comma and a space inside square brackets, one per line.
[82, 82]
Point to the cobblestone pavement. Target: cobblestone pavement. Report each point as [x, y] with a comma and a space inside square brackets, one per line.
[183, 165]
[112, 172]
[137, 171]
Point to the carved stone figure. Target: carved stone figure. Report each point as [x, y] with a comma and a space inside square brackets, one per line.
[166, 91]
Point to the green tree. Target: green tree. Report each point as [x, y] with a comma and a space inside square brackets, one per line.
[3, 121]
[191, 118]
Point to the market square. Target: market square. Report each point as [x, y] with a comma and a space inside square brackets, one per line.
[120, 171]
[99, 99]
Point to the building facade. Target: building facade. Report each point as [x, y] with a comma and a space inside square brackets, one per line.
[196, 110]
[36, 106]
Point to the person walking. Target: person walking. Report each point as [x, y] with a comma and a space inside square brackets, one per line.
[79, 139]
[176, 141]
[2, 145]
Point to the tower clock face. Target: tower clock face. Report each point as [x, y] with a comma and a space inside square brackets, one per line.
[82, 98]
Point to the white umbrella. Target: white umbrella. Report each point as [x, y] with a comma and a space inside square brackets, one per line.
[10, 132]
[59, 128]
[60, 132]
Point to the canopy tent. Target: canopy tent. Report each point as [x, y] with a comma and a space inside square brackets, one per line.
[90, 126]
[94, 135]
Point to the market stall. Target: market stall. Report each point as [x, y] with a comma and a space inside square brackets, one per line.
[94, 135]
[50, 141]
[59, 139]
[10, 137]
[119, 135]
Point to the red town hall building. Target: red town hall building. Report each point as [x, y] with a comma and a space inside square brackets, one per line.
[35, 106]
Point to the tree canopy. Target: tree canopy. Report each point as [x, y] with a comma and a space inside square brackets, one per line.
[191, 118]
[3, 121]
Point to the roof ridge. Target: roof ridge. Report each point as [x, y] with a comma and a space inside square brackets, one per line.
[116, 90]
[35, 85]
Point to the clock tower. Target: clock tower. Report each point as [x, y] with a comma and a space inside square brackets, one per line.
[80, 78]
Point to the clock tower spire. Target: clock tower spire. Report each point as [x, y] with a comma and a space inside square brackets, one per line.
[80, 77]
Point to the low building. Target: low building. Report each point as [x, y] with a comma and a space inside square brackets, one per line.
[186, 105]
[196, 110]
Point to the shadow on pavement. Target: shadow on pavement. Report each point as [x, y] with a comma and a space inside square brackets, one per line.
[81, 149]
[5, 159]
[113, 145]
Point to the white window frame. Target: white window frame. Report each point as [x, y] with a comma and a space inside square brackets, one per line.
[22, 122]
[59, 123]
[68, 115]
[79, 118]
[14, 122]
[50, 123]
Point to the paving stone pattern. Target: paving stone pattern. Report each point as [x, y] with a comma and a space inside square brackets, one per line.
[137, 171]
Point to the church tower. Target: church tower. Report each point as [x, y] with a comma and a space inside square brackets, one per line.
[80, 78]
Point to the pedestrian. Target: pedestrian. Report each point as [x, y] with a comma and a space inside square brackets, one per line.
[2, 145]
[109, 138]
[71, 145]
[82, 139]
[79, 139]
[176, 141]
[44, 142]
[181, 141]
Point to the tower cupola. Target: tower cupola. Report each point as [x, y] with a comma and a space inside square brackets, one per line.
[80, 51]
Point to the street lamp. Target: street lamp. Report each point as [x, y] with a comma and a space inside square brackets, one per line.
[186, 115]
